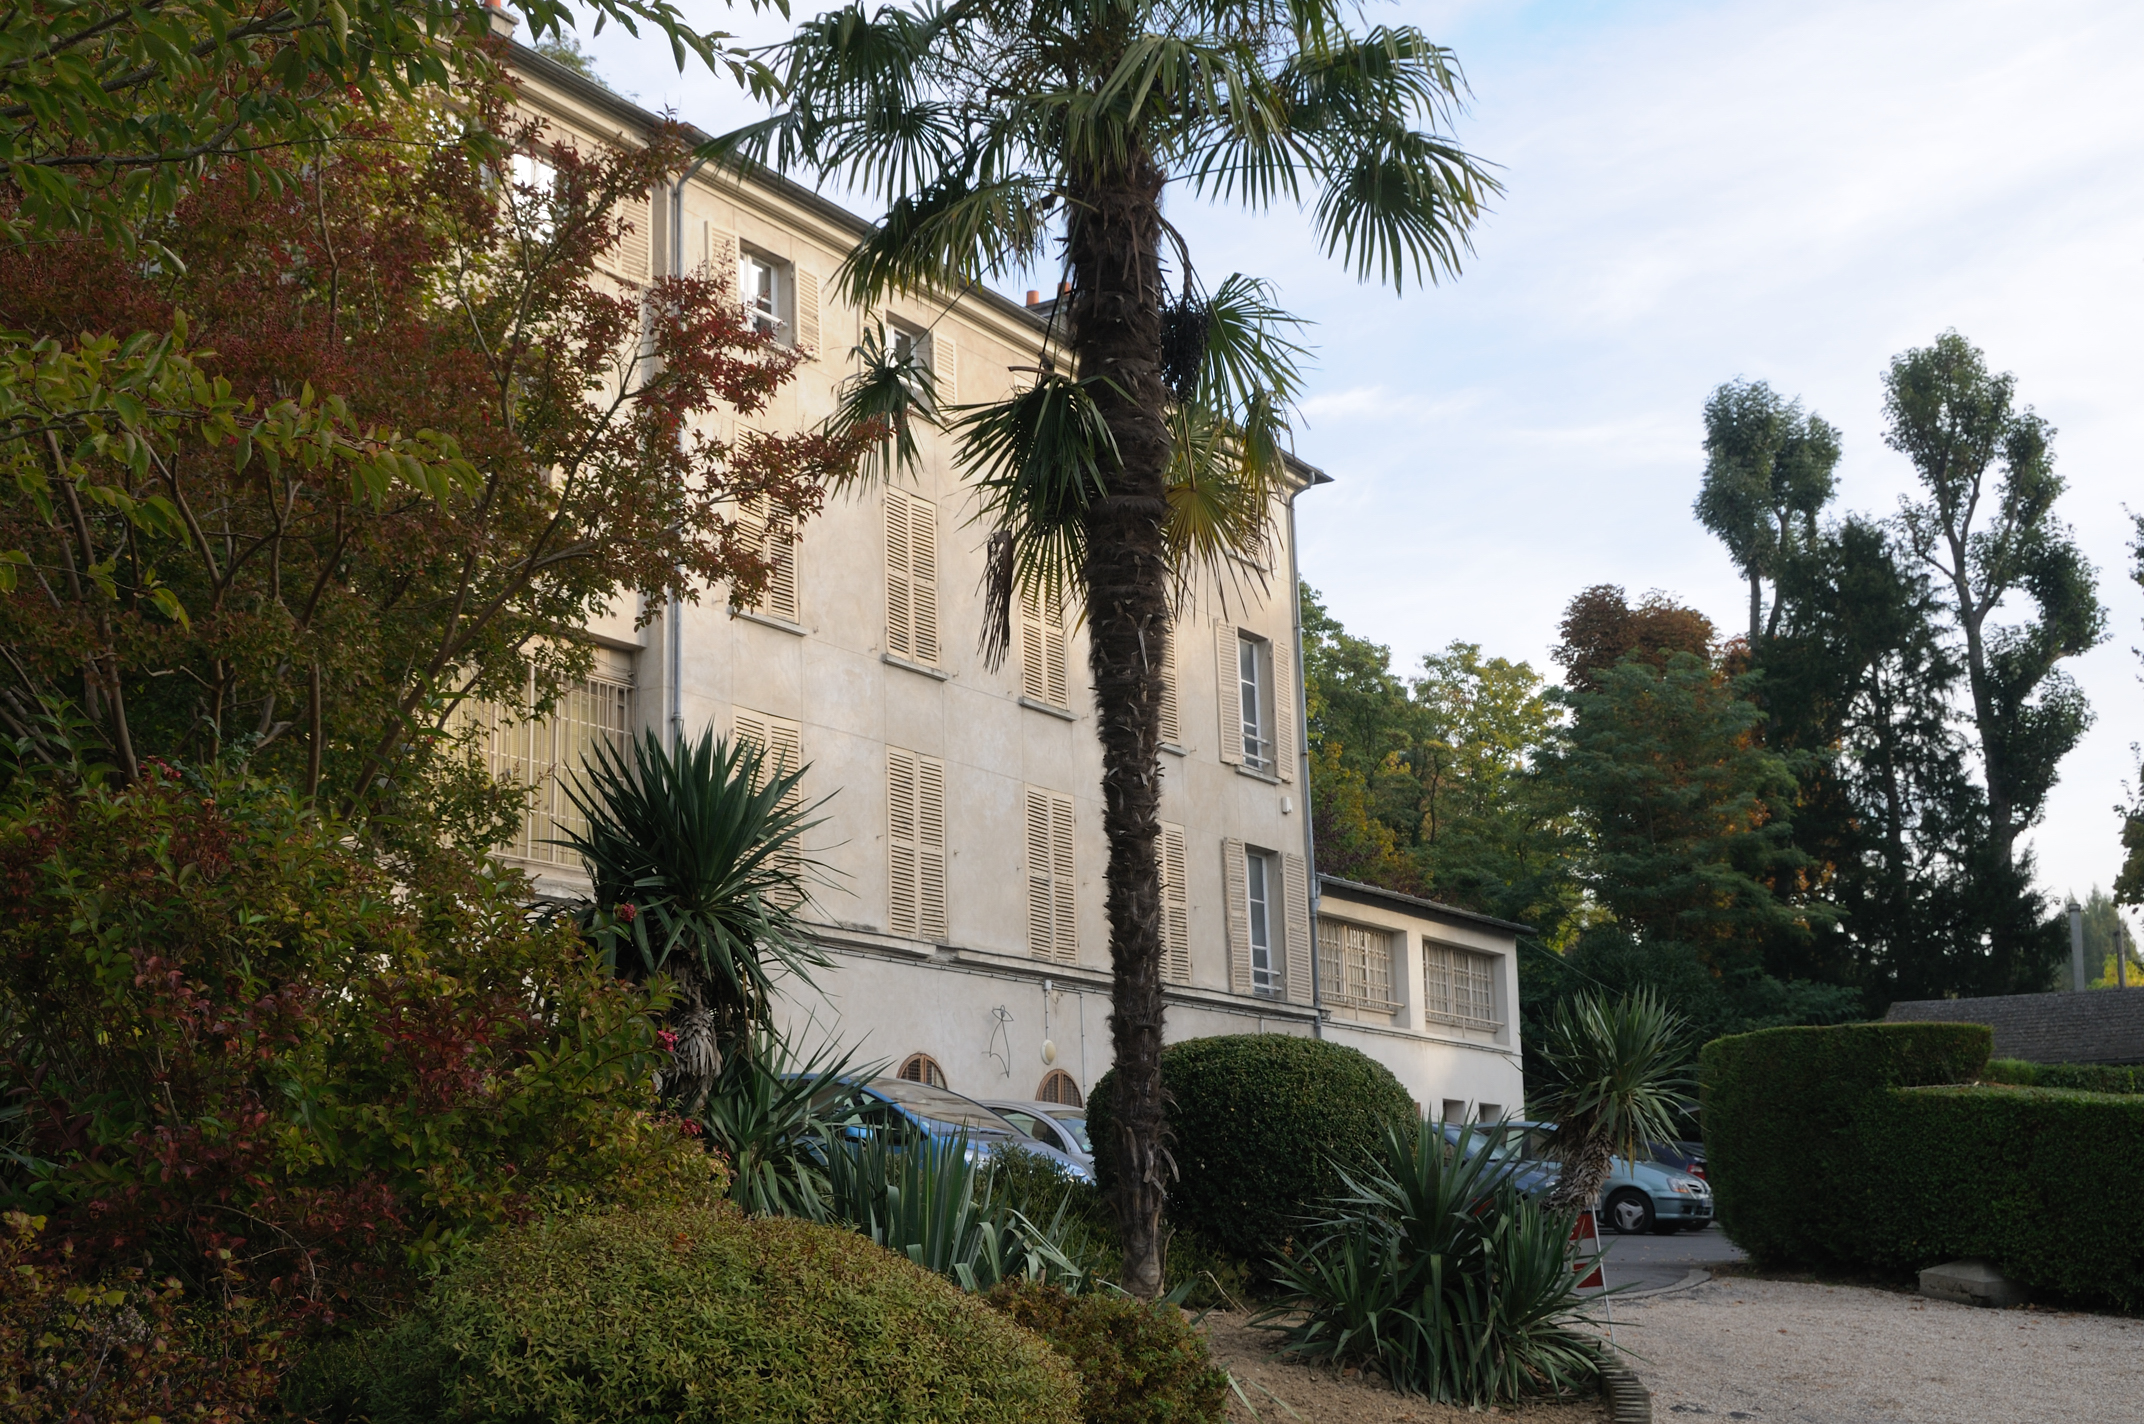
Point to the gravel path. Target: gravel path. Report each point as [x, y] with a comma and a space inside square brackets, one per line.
[1759, 1350]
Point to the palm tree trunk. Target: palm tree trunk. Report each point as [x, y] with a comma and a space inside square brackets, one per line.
[1115, 327]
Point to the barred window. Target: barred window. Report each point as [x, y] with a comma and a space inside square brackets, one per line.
[1459, 987]
[922, 1068]
[542, 752]
[1355, 964]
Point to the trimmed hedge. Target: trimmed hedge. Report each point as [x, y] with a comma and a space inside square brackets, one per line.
[1257, 1123]
[1783, 1110]
[2084, 1077]
[1871, 1146]
[691, 1317]
[1138, 1362]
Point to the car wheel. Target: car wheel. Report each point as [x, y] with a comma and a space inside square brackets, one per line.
[1630, 1213]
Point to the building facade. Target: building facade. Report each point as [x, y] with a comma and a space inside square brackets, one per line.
[959, 804]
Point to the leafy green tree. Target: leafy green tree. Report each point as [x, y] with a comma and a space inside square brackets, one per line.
[2105, 937]
[997, 130]
[1768, 473]
[1987, 530]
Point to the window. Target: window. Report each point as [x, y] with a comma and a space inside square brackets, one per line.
[1043, 674]
[543, 751]
[534, 181]
[783, 742]
[932, 350]
[1052, 921]
[1258, 898]
[1459, 987]
[1355, 966]
[775, 532]
[1268, 922]
[763, 286]
[924, 1069]
[911, 577]
[1060, 1087]
[1175, 908]
[915, 845]
[1257, 703]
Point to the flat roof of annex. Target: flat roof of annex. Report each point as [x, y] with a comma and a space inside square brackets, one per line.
[1360, 893]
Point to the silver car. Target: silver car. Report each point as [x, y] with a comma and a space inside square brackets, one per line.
[1057, 1126]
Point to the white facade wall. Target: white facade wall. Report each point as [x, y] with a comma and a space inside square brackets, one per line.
[977, 1000]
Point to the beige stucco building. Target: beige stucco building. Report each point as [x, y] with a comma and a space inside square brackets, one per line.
[962, 824]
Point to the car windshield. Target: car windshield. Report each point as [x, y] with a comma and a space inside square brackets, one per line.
[943, 1111]
[1075, 1126]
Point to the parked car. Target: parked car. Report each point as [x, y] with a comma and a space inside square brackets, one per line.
[1051, 1124]
[1637, 1197]
[1681, 1156]
[940, 1113]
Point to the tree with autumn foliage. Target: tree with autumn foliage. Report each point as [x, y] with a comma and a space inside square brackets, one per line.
[319, 619]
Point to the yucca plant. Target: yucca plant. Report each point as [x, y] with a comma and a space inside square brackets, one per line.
[1434, 1270]
[699, 877]
[768, 1112]
[931, 1200]
[1617, 1078]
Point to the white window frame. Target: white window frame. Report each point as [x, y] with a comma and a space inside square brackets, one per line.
[541, 752]
[1355, 965]
[1459, 986]
[1254, 682]
[769, 312]
[1261, 891]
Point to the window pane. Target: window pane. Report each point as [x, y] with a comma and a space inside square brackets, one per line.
[1263, 978]
[1249, 657]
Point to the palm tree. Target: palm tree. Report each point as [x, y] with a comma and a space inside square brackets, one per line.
[1617, 1078]
[698, 876]
[995, 130]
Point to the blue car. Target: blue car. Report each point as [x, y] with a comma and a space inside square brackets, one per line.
[1637, 1198]
[940, 1113]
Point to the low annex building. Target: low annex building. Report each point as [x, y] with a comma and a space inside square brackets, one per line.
[962, 821]
[2088, 1026]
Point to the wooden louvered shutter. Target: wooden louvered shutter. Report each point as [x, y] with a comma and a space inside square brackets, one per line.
[923, 577]
[776, 532]
[930, 849]
[900, 580]
[1053, 648]
[1283, 712]
[1230, 686]
[807, 310]
[1041, 903]
[901, 843]
[945, 367]
[629, 257]
[784, 744]
[1295, 915]
[718, 250]
[1172, 726]
[1042, 647]
[1175, 908]
[1064, 879]
[1236, 884]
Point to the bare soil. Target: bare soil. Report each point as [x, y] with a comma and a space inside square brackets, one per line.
[1319, 1395]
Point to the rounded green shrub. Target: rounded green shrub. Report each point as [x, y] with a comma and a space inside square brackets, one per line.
[693, 1316]
[1139, 1362]
[1260, 1125]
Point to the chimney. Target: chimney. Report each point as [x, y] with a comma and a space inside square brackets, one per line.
[1034, 298]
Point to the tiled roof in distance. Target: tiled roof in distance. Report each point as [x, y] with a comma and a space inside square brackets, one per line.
[2096, 1026]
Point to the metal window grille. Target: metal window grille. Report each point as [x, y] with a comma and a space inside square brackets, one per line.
[1459, 987]
[1061, 1088]
[542, 752]
[1355, 966]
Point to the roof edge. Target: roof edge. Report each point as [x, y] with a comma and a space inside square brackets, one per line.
[1394, 899]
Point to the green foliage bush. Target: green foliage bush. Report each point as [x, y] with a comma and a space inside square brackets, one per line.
[1138, 1362]
[691, 1316]
[2083, 1077]
[1871, 1146]
[1259, 1124]
[1784, 1110]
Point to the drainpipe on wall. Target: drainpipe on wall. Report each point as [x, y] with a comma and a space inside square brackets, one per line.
[674, 611]
[1302, 761]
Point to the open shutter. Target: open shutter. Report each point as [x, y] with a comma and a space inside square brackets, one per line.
[1175, 908]
[1295, 914]
[1172, 727]
[1230, 686]
[1053, 647]
[1041, 903]
[900, 581]
[930, 849]
[807, 311]
[945, 367]
[629, 257]
[901, 843]
[1236, 883]
[1283, 711]
[1064, 879]
[718, 250]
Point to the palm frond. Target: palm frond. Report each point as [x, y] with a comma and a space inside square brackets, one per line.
[891, 392]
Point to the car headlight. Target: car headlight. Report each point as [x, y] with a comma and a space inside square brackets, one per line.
[1687, 1186]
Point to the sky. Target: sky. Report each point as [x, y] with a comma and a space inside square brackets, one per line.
[1694, 193]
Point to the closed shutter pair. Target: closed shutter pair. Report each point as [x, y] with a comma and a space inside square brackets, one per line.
[773, 532]
[1043, 674]
[1052, 886]
[911, 577]
[783, 743]
[915, 842]
[1291, 955]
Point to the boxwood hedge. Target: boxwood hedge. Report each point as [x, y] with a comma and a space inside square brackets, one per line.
[1258, 1125]
[1872, 1145]
[2085, 1077]
[691, 1317]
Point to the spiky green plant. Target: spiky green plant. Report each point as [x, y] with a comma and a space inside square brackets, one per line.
[1432, 1268]
[699, 876]
[1617, 1076]
[768, 1112]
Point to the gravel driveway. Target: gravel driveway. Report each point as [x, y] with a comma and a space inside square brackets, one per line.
[1781, 1350]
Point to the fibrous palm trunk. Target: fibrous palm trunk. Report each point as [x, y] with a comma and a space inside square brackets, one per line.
[1115, 328]
[1585, 1172]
